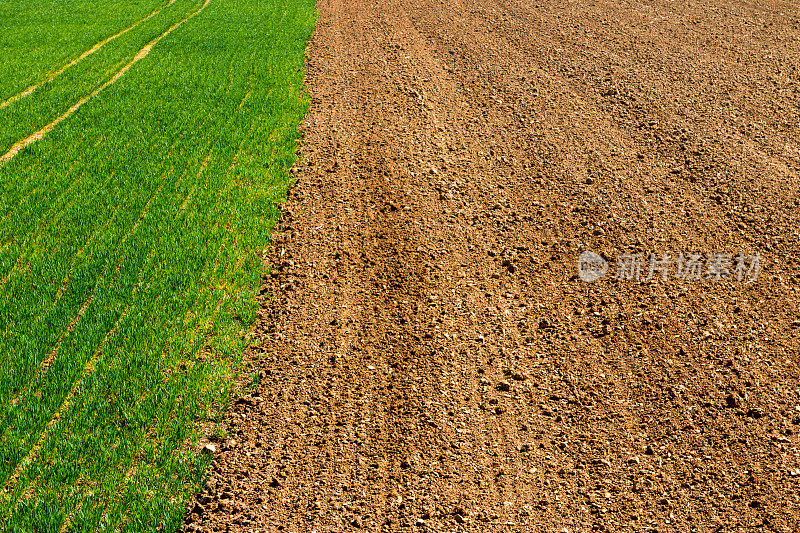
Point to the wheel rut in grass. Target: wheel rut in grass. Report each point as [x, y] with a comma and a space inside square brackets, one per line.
[97, 46]
[429, 357]
[141, 54]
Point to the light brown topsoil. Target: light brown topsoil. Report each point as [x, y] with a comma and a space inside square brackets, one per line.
[431, 359]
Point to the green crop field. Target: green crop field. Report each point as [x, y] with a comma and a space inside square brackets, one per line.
[144, 148]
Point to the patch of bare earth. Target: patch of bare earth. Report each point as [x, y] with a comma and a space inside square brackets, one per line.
[432, 361]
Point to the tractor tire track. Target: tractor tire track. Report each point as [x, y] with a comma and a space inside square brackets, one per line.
[97, 46]
[141, 54]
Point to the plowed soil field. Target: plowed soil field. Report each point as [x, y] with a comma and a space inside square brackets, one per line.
[431, 359]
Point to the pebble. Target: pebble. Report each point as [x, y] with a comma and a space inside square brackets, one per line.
[210, 449]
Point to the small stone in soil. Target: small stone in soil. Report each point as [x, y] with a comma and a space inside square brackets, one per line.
[210, 449]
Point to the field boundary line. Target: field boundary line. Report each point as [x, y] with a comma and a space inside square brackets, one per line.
[97, 46]
[141, 54]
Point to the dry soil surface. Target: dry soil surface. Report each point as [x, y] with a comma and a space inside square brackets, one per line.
[431, 360]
